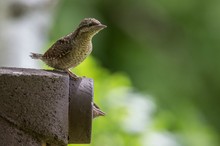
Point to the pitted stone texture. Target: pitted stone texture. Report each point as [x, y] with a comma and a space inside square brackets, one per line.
[9, 136]
[36, 101]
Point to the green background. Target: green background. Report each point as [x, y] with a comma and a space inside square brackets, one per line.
[156, 69]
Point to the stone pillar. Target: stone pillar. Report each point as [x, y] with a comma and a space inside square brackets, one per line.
[39, 106]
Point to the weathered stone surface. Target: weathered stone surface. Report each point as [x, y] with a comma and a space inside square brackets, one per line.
[11, 136]
[44, 106]
[37, 102]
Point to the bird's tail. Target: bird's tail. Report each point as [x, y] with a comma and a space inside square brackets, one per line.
[36, 56]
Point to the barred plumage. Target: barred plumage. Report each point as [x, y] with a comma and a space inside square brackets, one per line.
[70, 50]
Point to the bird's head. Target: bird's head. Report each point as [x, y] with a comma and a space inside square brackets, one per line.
[90, 26]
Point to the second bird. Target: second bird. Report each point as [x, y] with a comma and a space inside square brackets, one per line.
[70, 50]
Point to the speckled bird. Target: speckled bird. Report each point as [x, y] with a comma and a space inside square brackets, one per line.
[70, 50]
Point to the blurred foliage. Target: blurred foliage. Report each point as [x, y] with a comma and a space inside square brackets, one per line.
[167, 49]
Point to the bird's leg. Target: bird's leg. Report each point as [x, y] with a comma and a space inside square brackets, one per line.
[97, 111]
[75, 77]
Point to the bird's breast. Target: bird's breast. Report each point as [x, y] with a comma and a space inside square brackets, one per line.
[78, 54]
[82, 50]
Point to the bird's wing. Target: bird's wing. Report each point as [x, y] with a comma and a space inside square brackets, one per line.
[59, 49]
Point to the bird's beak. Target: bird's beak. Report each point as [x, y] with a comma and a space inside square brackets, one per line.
[104, 26]
[101, 26]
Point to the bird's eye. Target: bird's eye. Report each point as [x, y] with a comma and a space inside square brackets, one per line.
[92, 24]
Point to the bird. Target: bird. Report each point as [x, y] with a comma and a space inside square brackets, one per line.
[96, 111]
[72, 49]
[69, 51]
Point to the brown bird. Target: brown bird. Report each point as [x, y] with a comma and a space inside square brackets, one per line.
[70, 50]
[96, 111]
